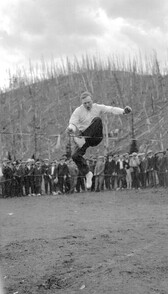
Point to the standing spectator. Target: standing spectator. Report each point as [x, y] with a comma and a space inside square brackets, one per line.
[161, 168]
[150, 169]
[14, 180]
[80, 186]
[73, 175]
[166, 158]
[23, 177]
[99, 173]
[47, 179]
[134, 163]
[142, 169]
[109, 169]
[38, 172]
[128, 171]
[63, 174]
[53, 175]
[1, 182]
[29, 177]
[114, 181]
[121, 173]
[156, 178]
[18, 175]
[8, 176]
[4, 183]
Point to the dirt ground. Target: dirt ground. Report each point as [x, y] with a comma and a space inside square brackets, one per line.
[110, 242]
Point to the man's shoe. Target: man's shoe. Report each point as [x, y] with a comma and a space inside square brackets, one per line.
[80, 141]
[89, 177]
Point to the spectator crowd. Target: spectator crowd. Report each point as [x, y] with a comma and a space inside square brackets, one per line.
[112, 172]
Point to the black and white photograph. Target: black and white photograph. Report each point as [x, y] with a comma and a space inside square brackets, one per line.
[84, 147]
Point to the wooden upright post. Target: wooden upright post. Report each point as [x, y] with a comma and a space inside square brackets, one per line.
[106, 135]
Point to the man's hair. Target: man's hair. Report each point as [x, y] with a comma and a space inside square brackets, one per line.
[85, 94]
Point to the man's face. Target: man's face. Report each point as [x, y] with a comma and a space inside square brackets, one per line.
[116, 157]
[62, 161]
[126, 156]
[87, 103]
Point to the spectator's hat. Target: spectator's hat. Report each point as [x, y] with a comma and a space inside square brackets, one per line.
[63, 157]
[5, 159]
[29, 160]
[159, 152]
[46, 159]
[141, 154]
[134, 154]
[101, 157]
[149, 151]
[53, 161]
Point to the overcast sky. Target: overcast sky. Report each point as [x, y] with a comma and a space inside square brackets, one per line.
[32, 29]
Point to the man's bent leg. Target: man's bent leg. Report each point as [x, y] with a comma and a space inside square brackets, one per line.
[93, 136]
[80, 161]
[94, 133]
[82, 165]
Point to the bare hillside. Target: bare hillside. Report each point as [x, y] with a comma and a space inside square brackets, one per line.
[34, 114]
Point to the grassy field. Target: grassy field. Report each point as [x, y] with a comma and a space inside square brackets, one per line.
[110, 242]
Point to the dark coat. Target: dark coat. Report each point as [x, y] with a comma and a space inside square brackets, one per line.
[38, 176]
[150, 163]
[63, 170]
[109, 167]
[55, 173]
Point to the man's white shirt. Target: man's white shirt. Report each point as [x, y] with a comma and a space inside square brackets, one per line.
[81, 118]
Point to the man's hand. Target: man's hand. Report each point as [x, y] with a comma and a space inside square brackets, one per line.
[127, 110]
[69, 130]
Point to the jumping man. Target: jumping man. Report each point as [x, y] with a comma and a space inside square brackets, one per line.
[86, 124]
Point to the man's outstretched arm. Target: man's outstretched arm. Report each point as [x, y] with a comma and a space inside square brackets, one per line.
[115, 110]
